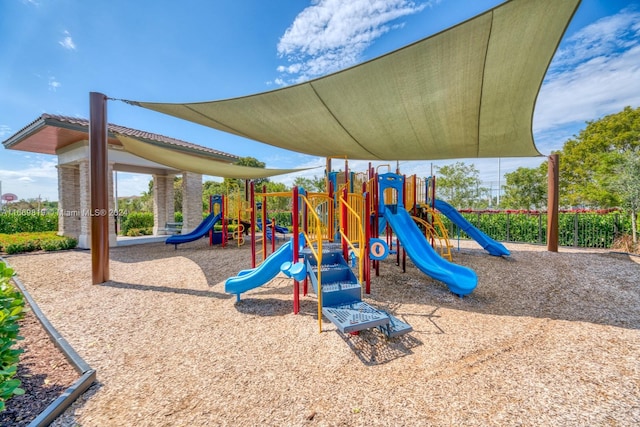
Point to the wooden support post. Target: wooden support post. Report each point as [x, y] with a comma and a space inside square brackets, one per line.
[99, 188]
[552, 203]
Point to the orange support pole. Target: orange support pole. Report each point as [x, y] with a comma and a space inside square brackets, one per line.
[99, 188]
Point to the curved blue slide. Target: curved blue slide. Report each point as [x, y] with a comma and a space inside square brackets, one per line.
[199, 232]
[270, 267]
[458, 278]
[490, 245]
[279, 229]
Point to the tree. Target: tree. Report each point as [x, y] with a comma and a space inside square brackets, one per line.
[627, 186]
[526, 188]
[314, 185]
[235, 184]
[459, 184]
[177, 194]
[211, 188]
[589, 162]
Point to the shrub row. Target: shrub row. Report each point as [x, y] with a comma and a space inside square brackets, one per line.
[581, 229]
[141, 223]
[28, 242]
[27, 221]
[11, 306]
[136, 221]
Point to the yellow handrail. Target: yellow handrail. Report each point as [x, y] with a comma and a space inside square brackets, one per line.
[322, 205]
[314, 223]
[443, 237]
[359, 251]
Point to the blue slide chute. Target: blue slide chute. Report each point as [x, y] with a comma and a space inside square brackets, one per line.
[490, 245]
[279, 228]
[270, 267]
[200, 231]
[459, 279]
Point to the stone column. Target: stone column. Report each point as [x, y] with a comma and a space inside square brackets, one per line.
[69, 213]
[84, 198]
[163, 208]
[113, 237]
[191, 201]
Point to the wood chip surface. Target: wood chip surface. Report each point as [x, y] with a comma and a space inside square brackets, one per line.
[546, 339]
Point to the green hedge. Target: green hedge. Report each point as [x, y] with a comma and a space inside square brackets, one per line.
[28, 242]
[136, 221]
[11, 311]
[27, 221]
[582, 229]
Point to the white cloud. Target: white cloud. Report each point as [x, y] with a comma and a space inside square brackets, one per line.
[131, 184]
[332, 34]
[38, 177]
[600, 39]
[67, 41]
[5, 131]
[596, 72]
[54, 84]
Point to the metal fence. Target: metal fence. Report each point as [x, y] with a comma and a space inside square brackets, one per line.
[587, 229]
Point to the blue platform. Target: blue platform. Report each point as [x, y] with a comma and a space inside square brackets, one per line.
[342, 295]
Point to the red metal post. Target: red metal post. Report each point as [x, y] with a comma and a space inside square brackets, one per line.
[296, 253]
[273, 235]
[223, 209]
[210, 212]
[415, 195]
[263, 219]
[99, 172]
[345, 224]
[252, 197]
[367, 238]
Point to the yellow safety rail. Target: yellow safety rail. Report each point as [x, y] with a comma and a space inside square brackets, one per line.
[240, 210]
[409, 193]
[421, 190]
[443, 246]
[414, 191]
[354, 225]
[359, 178]
[354, 222]
[322, 205]
[390, 196]
[311, 236]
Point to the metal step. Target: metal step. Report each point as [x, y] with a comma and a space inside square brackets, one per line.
[355, 316]
[395, 327]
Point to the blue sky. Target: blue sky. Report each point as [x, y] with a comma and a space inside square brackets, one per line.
[54, 52]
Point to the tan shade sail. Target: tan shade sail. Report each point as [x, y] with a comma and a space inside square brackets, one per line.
[190, 162]
[467, 92]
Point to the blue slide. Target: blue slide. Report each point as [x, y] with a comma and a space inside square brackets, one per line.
[199, 232]
[490, 245]
[279, 228]
[460, 279]
[270, 267]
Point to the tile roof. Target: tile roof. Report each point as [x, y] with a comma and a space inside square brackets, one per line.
[82, 125]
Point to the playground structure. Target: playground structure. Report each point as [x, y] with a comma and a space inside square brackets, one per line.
[337, 233]
[206, 227]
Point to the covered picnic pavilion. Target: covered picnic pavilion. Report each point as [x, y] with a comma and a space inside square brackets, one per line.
[68, 139]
